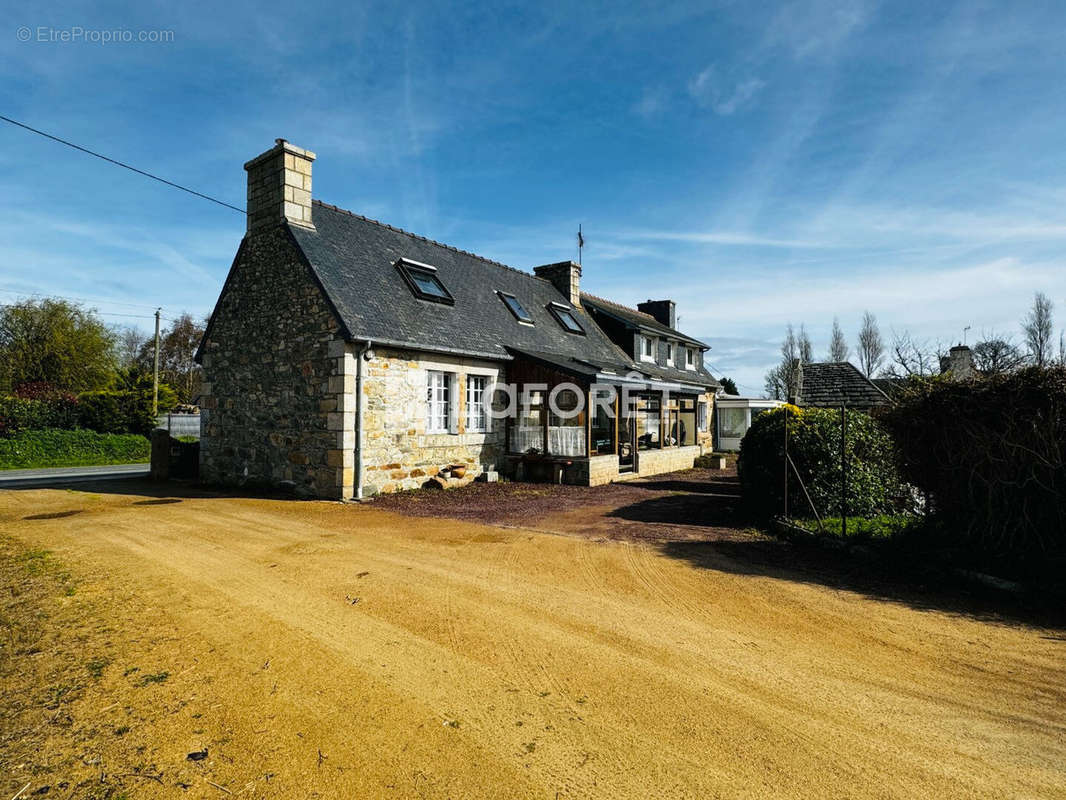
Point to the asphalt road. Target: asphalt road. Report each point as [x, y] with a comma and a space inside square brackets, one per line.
[29, 478]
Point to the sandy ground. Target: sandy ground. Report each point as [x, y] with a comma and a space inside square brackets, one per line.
[322, 650]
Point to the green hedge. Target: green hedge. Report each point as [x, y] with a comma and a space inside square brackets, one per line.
[108, 411]
[116, 412]
[20, 413]
[59, 448]
[991, 456]
[874, 484]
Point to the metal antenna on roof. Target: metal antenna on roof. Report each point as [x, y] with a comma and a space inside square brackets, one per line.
[965, 331]
[580, 244]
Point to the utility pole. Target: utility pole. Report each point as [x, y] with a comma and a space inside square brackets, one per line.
[155, 374]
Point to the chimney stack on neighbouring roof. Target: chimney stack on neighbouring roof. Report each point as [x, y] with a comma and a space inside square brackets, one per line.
[279, 187]
[959, 362]
[664, 311]
[565, 276]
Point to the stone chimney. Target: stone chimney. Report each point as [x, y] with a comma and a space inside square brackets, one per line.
[664, 311]
[959, 362]
[565, 276]
[279, 187]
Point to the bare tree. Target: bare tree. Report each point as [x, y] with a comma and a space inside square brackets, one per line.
[803, 344]
[911, 356]
[781, 380]
[995, 355]
[1038, 328]
[128, 343]
[838, 345]
[871, 348]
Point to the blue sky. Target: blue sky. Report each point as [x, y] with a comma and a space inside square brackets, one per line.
[760, 163]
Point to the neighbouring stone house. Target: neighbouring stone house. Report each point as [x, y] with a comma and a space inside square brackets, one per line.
[346, 357]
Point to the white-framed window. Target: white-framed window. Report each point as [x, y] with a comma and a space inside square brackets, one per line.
[476, 416]
[647, 348]
[690, 358]
[701, 415]
[438, 402]
[669, 354]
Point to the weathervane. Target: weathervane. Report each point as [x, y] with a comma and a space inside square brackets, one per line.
[580, 244]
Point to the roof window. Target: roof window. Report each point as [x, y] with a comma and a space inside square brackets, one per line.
[423, 281]
[516, 308]
[564, 315]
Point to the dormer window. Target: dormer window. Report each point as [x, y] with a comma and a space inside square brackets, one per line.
[564, 315]
[423, 281]
[647, 348]
[669, 354]
[516, 308]
[690, 358]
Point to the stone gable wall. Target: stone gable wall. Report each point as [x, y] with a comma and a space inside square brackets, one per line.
[398, 453]
[277, 397]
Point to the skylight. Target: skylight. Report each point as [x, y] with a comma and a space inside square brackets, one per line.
[423, 281]
[516, 308]
[565, 316]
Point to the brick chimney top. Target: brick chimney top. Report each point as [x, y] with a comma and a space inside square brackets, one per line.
[664, 311]
[279, 187]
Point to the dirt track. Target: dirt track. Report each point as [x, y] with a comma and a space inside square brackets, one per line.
[334, 651]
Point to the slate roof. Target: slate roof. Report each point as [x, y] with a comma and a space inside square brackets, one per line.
[353, 257]
[833, 384]
[636, 319]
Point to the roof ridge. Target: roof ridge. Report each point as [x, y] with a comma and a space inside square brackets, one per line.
[631, 310]
[425, 239]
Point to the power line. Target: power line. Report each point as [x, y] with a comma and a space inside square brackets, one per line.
[119, 163]
[94, 310]
[19, 293]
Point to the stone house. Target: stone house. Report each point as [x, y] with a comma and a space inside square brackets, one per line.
[346, 357]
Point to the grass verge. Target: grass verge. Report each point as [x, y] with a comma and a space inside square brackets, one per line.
[76, 448]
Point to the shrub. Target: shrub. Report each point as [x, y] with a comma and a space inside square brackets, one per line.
[991, 455]
[27, 410]
[116, 412]
[874, 485]
[58, 448]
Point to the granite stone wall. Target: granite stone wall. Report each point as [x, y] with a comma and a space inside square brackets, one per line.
[398, 452]
[278, 394]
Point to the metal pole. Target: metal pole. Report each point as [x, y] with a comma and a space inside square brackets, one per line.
[843, 471]
[786, 462]
[155, 374]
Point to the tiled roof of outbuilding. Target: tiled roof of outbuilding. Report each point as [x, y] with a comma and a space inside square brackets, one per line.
[834, 384]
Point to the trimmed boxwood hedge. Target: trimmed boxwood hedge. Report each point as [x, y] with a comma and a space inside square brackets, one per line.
[874, 484]
[59, 448]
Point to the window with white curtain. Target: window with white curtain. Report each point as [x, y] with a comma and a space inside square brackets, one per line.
[690, 358]
[438, 402]
[476, 418]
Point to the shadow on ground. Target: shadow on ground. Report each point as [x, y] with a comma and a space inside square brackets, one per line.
[910, 584]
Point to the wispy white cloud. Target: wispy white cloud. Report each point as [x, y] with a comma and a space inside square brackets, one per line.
[653, 101]
[816, 28]
[716, 237]
[724, 95]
